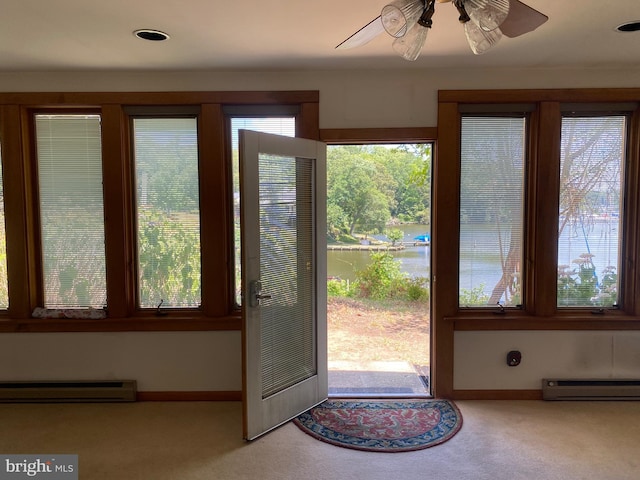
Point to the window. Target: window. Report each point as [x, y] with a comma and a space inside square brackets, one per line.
[69, 168]
[279, 125]
[167, 212]
[592, 162]
[492, 172]
[119, 202]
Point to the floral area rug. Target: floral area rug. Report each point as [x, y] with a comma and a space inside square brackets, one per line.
[382, 426]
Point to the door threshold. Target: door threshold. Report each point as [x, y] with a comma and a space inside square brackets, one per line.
[378, 380]
[378, 396]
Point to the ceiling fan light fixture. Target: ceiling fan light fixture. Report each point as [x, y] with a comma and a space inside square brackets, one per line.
[481, 40]
[398, 16]
[410, 45]
[485, 23]
[487, 14]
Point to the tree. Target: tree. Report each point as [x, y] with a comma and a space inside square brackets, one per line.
[409, 167]
[394, 234]
[351, 186]
[166, 161]
[369, 185]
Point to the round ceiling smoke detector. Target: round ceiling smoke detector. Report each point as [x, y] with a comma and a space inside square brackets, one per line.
[151, 35]
[629, 27]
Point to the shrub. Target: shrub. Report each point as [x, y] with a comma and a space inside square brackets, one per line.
[474, 296]
[339, 288]
[382, 278]
[580, 287]
[417, 288]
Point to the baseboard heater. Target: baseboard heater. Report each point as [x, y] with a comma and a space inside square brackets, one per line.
[613, 389]
[68, 391]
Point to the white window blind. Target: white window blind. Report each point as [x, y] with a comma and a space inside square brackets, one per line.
[590, 216]
[492, 166]
[167, 212]
[279, 125]
[71, 210]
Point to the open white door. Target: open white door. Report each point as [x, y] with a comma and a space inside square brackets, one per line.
[284, 280]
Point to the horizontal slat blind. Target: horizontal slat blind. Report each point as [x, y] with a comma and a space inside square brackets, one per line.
[592, 161]
[71, 210]
[270, 123]
[491, 210]
[286, 250]
[168, 212]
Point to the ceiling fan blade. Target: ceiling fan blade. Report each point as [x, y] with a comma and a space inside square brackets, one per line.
[367, 33]
[521, 19]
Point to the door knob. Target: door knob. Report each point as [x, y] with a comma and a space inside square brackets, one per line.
[255, 293]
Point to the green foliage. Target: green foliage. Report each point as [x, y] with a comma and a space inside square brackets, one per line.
[473, 297]
[340, 288]
[166, 163]
[417, 289]
[395, 235]
[169, 261]
[578, 287]
[73, 257]
[369, 185]
[383, 279]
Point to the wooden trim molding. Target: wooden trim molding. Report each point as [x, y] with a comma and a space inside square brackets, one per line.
[496, 395]
[568, 95]
[129, 324]
[188, 396]
[555, 323]
[92, 99]
[380, 135]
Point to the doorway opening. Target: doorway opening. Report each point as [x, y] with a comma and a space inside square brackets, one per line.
[378, 268]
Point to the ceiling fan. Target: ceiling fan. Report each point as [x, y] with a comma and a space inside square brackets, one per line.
[484, 21]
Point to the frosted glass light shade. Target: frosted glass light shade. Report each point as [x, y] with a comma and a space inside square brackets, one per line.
[487, 14]
[480, 40]
[410, 45]
[398, 16]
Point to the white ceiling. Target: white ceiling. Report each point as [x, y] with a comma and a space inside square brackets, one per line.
[291, 35]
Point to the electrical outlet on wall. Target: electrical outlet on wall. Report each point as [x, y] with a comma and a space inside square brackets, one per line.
[514, 357]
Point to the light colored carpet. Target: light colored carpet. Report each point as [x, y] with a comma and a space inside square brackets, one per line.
[531, 440]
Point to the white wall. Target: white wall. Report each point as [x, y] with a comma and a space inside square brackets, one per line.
[480, 357]
[159, 361]
[211, 360]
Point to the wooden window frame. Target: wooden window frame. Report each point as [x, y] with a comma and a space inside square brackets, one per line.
[541, 311]
[217, 311]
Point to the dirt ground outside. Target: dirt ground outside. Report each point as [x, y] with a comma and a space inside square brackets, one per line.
[367, 331]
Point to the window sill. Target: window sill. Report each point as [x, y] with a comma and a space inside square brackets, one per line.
[129, 324]
[559, 322]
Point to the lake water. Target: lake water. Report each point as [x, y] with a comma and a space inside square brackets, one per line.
[415, 261]
[481, 262]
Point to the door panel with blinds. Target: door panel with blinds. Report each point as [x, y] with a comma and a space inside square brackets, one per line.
[284, 278]
[69, 165]
[492, 165]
